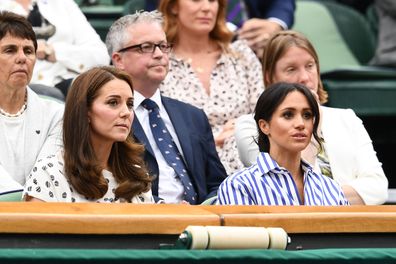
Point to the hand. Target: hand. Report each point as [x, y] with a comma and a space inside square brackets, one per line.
[352, 195]
[228, 131]
[256, 31]
[41, 45]
[45, 51]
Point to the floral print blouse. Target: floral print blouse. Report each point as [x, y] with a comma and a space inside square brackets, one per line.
[235, 84]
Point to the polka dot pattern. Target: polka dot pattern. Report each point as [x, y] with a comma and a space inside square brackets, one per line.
[48, 183]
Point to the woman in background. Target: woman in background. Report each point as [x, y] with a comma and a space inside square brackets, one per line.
[347, 155]
[100, 162]
[67, 43]
[286, 117]
[30, 126]
[208, 71]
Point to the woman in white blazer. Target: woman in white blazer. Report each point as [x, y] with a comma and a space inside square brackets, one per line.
[74, 46]
[349, 156]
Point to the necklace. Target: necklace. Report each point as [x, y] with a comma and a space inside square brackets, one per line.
[20, 112]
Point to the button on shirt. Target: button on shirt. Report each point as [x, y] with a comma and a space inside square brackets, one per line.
[170, 188]
[266, 183]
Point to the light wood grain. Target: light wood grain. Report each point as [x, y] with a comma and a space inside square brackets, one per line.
[330, 222]
[91, 218]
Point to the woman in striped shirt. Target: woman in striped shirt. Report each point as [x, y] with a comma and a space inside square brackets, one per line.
[286, 115]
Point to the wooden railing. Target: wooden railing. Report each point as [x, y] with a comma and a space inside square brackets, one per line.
[92, 218]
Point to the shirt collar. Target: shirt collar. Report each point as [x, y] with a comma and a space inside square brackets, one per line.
[267, 164]
[138, 99]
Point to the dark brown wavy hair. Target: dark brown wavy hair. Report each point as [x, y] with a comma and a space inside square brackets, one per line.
[220, 33]
[82, 167]
[277, 46]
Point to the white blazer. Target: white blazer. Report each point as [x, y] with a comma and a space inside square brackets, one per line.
[42, 136]
[77, 45]
[349, 148]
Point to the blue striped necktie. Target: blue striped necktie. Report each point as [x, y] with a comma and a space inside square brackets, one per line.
[169, 149]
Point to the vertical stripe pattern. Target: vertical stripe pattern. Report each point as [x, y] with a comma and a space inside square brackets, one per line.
[266, 183]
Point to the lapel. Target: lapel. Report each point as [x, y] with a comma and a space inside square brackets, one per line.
[181, 128]
[33, 127]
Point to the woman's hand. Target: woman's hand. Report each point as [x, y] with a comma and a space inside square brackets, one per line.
[45, 51]
[228, 131]
[256, 31]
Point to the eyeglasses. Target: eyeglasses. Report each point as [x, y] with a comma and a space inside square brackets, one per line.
[149, 47]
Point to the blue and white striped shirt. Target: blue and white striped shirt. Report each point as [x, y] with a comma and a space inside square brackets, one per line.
[266, 183]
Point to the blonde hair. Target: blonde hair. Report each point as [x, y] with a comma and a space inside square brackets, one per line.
[276, 47]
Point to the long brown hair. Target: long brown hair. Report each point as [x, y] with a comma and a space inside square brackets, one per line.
[81, 165]
[277, 46]
[220, 33]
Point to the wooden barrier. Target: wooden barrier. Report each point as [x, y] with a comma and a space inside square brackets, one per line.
[94, 218]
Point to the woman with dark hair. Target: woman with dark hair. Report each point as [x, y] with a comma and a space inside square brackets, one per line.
[208, 71]
[29, 125]
[67, 44]
[347, 155]
[100, 162]
[286, 115]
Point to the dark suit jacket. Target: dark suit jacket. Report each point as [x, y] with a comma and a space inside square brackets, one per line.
[281, 9]
[197, 143]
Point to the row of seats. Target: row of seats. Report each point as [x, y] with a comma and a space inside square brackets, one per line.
[345, 41]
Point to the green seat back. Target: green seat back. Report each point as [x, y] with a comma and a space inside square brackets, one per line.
[315, 21]
[355, 29]
[15, 196]
[131, 6]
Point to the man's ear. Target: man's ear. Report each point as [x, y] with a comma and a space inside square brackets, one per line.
[264, 126]
[117, 60]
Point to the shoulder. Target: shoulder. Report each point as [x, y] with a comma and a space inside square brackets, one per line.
[181, 105]
[47, 180]
[48, 165]
[245, 120]
[242, 49]
[333, 116]
[242, 177]
[49, 105]
[338, 111]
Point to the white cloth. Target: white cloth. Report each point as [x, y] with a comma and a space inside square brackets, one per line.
[349, 148]
[47, 182]
[170, 187]
[41, 136]
[7, 183]
[77, 46]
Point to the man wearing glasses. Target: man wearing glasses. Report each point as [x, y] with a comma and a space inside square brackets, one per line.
[180, 150]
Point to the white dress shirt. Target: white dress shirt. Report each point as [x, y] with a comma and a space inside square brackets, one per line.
[170, 188]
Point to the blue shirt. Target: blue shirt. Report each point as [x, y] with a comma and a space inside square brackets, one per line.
[266, 183]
